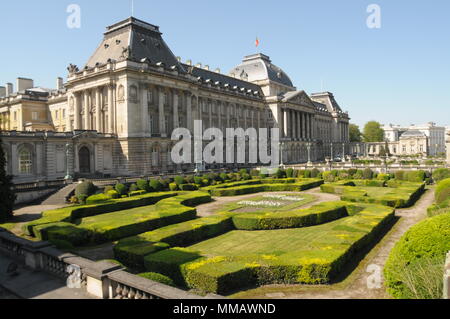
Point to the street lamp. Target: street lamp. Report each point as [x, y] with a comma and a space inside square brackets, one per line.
[308, 146]
[68, 176]
[281, 145]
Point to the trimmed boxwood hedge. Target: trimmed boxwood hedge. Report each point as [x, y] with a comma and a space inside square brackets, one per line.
[428, 239]
[153, 276]
[315, 215]
[131, 251]
[72, 213]
[316, 264]
[265, 185]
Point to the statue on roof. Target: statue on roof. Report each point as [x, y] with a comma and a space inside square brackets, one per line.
[72, 68]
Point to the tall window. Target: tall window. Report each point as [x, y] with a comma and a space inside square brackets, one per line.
[34, 116]
[25, 161]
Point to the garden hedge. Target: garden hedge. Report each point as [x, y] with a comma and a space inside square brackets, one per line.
[318, 263]
[315, 215]
[428, 239]
[131, 251]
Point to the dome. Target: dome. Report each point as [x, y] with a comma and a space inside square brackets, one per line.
[258, 67]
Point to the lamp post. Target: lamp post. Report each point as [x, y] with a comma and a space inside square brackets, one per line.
[331, 153]
[308, 147]
[68, 176]
[343, 152]
[281, 145]
[329, 162]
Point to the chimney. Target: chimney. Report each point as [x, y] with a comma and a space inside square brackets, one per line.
[2, 91]
[189, 62]
[217, 70]
[206, 67]
[24, 84]
[59, 83]
[9, 89]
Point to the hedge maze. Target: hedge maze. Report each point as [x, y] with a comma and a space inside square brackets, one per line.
[270, 239]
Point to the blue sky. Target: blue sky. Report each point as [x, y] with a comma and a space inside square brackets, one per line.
[397, 74]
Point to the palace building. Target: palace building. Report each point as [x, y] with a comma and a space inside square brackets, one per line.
[115, 115]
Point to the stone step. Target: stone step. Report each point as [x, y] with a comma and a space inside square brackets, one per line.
[59, 198]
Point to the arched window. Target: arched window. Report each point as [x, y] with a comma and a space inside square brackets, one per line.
[25, 161]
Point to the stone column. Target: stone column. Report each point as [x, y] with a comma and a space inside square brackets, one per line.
[98, 108]
[285, 122]
[299, 125]
[110, 109]
[220, 106]
[145, 116]
[86, 110]
[228, 108]
[162, 119]
[77, 111]
[176, 103]
[189, 112]
[304, 126]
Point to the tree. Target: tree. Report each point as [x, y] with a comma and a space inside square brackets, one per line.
[7, 195]
[355, 133]
[373, 132]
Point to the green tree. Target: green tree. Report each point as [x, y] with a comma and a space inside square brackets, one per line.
[373, 132]
[7, 195]
[355, 133]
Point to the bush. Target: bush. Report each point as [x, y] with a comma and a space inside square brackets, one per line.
[189, 179]
[367, 174]
[198, 180]
[400, 175]
[383, 177]
[440, 174]
[143, 185]
[121, 189]
[112, 194]
[137, 193]
[280, 173]
[253, 173]
[307, 173]
[155, 185]
[223, 177]
[188, 187]
[328, 177]
[243, 171]
[98, 198]
[108, 188]
[173, 187]
[290, 173]
[133, 188]
[157, 278]
[179, 180]
[82, 199]
[415, 176]
[428, 239]
[85, 189]
[442, 191]
[7, 194]
[315, 172]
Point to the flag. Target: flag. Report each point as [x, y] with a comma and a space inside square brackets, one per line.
[257, 42]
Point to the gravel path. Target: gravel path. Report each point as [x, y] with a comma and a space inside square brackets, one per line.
[357, 287]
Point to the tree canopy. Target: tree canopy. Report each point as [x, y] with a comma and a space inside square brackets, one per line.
[355, 133]
[373, 132]
[7, 196]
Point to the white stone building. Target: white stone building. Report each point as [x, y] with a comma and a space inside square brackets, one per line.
[115, 116]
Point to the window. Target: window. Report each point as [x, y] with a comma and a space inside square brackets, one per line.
[64, 113]
[25, 162]
[150, 96]
[15, 116]
[56, 114]
[34, 116]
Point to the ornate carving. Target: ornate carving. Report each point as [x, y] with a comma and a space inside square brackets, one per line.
[72, 68]
[127, 53]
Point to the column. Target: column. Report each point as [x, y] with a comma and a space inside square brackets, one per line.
[144, 107]
[299, 125]
[77, 111]
[98, 117]
[162, 120]
[304, 126]
[86, 110]
[209, 106]
[176, 103]
[220, 105]
[285, 122]
[189, 112]
[258, 118]
[228, 109]
[110, 109]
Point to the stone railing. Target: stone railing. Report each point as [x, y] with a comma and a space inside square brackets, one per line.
[375, 167]
[100, 279]
[447, 277]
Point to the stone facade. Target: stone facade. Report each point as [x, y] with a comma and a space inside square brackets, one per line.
[122, 107]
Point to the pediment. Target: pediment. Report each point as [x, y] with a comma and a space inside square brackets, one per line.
[298, 97]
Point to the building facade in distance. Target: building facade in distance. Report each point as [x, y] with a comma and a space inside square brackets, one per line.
[115, 116]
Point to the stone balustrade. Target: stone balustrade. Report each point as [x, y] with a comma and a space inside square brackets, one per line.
[103, 279]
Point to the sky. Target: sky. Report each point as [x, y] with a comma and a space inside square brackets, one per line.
[398, 73]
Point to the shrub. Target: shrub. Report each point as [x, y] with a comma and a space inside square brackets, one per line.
[352, 171]
[113, 194]
[198, 180]
[165, 183]
[173, 187]
[367, 174]
[280, 173]
[290, 173]
[253, 173]
[155, 185]
[400, 175]
[415, 176]
[307, 173]
[157, 278]
[85, 189]
[108, 188]
[314, 172]
[328, 177]
[121, 189]
[383, 177]
[133, 188]
[243, 171]
[428, 239]
[343, 175]
[358, 174]
[223, 177]
[442, 191]
[188, 187]
[440, 174]
[179, 180]
[143, 185]
[136, 193]
[82, 199]
[189, 179]
[98, 198]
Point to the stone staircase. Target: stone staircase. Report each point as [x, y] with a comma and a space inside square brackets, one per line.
[59, 198]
